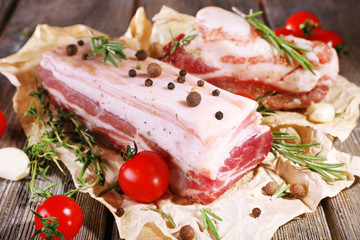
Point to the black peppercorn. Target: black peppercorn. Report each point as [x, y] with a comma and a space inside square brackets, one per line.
[148, 82]
[132, 72]
[256, 212]
[200, 83]
[219, 115]
[84, 56]
[119, 212]
[80, 42]
[181, 79]
[141, 54]
[216, 92]
[193, 99]
[182, 72]
[71, 49]
[171, 86]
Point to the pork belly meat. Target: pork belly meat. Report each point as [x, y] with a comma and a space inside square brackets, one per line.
[229, 53]
[205, 155]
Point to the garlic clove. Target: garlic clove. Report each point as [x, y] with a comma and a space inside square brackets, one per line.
[321, 112]
[13, 164]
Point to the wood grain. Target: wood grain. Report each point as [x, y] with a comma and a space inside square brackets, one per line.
[6, 9]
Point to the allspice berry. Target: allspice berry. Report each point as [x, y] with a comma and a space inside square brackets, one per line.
[270, 188]
[71, 49]
[141, 54]
[298, 191]
[187, 233]
[120, 212]
[154, 69]
[193, 99]
[256, 212]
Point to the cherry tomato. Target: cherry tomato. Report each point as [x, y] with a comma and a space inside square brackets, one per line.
[303, 24]
[66, 210]
[145, 177]
[332, 39]
[283, 31]
[2, 123]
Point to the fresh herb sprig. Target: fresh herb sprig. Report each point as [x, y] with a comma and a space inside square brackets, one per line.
[207, 222]
[182, 42]
[50, 227]
[294, 153]
[164, 214]
[110, 49]
[281, 191]
[285, 49]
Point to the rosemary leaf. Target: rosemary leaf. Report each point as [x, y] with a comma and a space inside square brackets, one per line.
[281, 191]
[164, 214]
[208, 223]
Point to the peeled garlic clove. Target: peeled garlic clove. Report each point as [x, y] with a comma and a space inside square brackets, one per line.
[321, 112]
[13, 164]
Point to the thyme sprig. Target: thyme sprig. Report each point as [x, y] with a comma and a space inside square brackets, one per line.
[207, 222]
[294, 153]
[285, 49]
[281, 191]
[110, 49]
[164, 214]
[50, 227]
[182, 42]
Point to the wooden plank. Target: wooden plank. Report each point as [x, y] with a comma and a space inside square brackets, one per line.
[111, 17]
[6, 9]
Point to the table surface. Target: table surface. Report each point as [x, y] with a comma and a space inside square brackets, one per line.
[335, 218]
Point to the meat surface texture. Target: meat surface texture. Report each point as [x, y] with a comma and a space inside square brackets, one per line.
[205, 155]
[229, 53]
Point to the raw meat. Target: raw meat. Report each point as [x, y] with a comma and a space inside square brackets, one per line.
[205, 155]
[229, 53]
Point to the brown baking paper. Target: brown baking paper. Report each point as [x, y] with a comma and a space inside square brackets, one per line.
[235, 206]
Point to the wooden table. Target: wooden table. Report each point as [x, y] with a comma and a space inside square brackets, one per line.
[335, 218]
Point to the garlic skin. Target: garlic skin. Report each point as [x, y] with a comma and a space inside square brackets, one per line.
[321, 112]
[13, 164]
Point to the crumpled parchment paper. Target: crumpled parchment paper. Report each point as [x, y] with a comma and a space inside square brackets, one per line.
[235, 206]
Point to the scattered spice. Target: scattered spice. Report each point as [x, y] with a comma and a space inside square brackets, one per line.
[219, 115]
[182, 72]
[298, 191]
[120, 212]
[200, 83]
[154, 69]
[141, 54]
[84, 56]
[256, 212]
[171, 86]
[80, 42]
[181, 79]
[71, 49]
[148, 82]
[216, 92]
[270, 188]
[193, 99]
[132, 72]
[187, 233]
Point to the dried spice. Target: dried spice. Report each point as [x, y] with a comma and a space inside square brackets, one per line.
[219, 115]
[187, 233]
[171, 86]
[84, 56]
[148, 82]
[71, 49]
[141, 54]
[297, 191]
[182, 72]
[181, 79]
[215, 93]
[154, 69]
[256, 212]
[193, 99]
[119, 212]
[80, 42]
[270, 188]
[132, 73]
[200, 83]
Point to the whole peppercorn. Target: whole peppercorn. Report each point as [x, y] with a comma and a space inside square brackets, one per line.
[298, 191]
[171, 86]
[154, 69]
[219, 115]
[71, 49]
[148, 82]
[141, 54]
[216, 92]
[200, 83]
[193, 99]
[256, 212]
[182, 72]
[132, 73]
[120, 212]
[270, 188]
[80, 42]
[181, 79]
[84, 56]
[187, 233]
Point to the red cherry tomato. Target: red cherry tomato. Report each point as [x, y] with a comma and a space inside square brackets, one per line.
[66, 210]
[145, 177]
[283, 31]
[330, 37]
[303, 24]
[2, 123]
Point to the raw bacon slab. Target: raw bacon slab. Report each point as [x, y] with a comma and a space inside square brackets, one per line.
[205, 155]
[229, 53]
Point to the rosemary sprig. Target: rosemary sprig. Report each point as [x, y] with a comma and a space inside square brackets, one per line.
[263, 108]
[207, 223]
[110, 49]
[182, 42]
[281, 191]
[164, 214]
[285, 49]
[294, 153]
